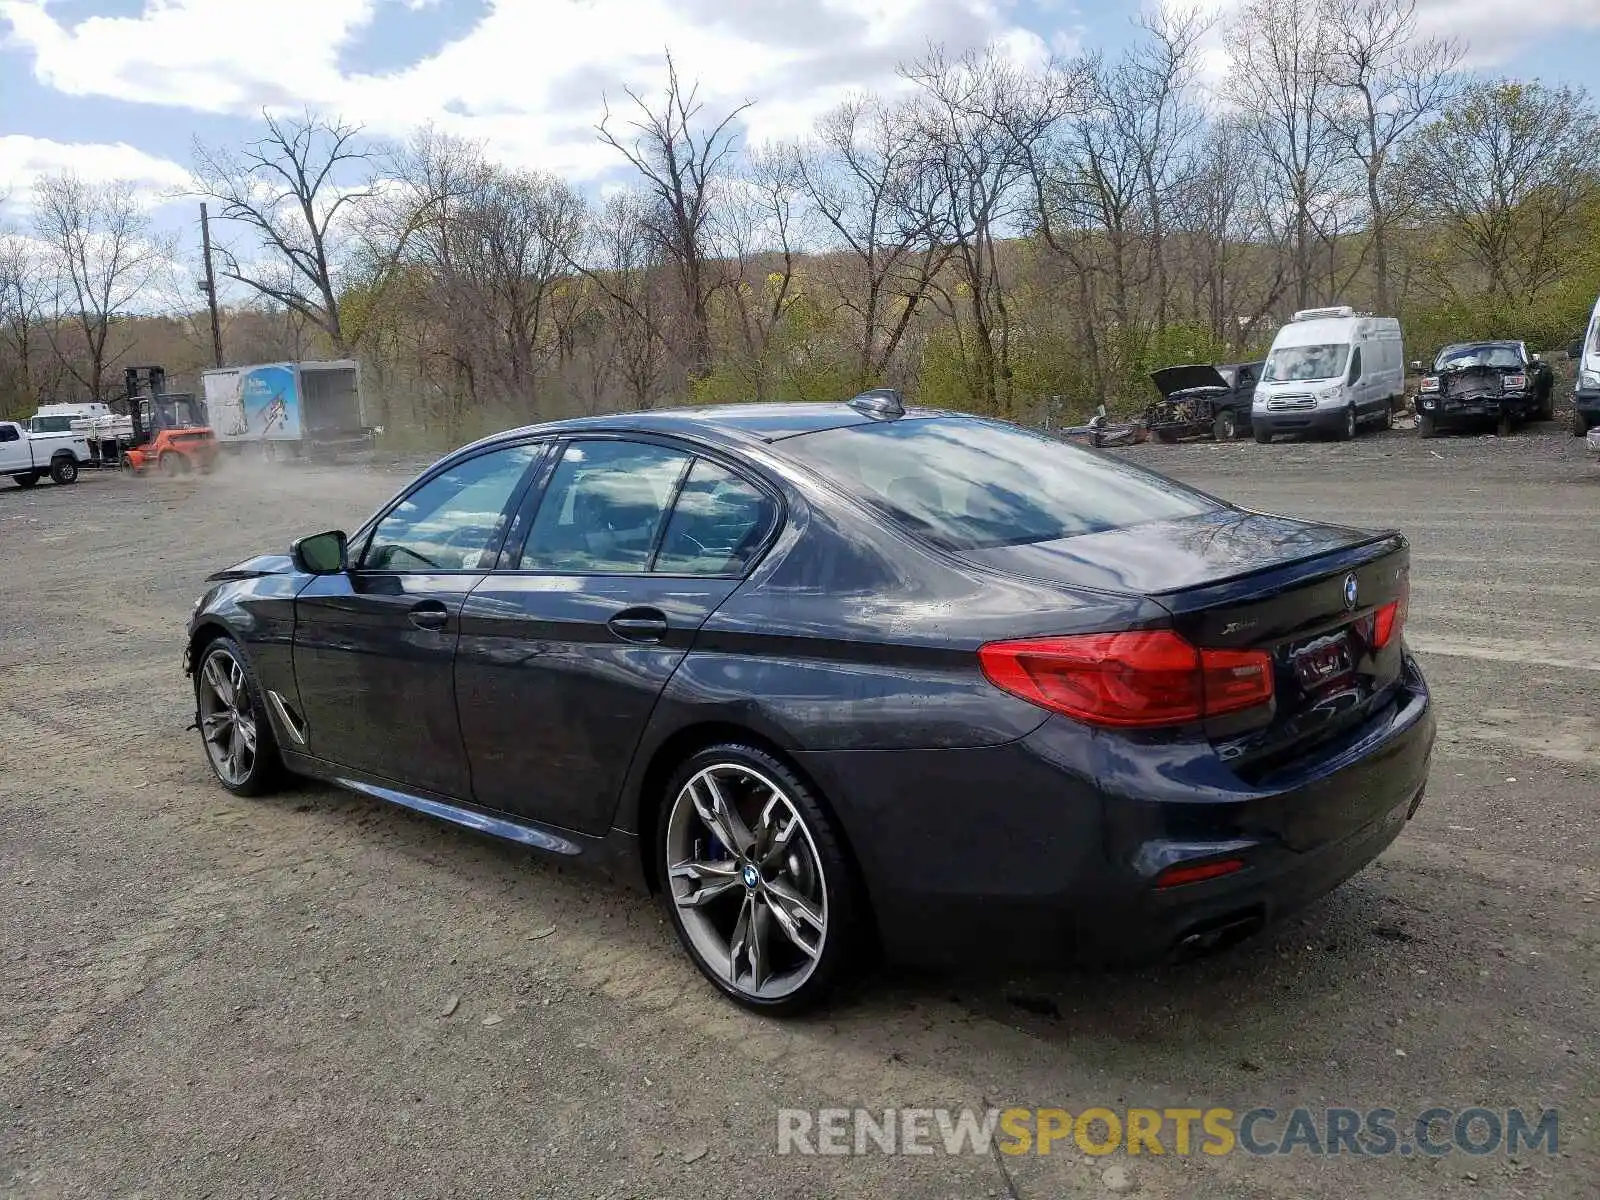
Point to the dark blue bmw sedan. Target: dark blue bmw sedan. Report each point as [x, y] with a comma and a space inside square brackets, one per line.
[828, 676]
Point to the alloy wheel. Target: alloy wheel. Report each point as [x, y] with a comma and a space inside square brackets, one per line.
[227, 718]
[747, 881]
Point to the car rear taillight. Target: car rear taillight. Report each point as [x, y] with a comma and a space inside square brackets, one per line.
[1514, 383]
[1388, 621]
[1430, 383]
[1140, 679]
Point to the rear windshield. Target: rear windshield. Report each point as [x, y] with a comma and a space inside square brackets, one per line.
[969, 484]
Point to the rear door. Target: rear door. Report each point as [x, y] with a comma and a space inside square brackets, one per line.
[374, 649]
[631, 545]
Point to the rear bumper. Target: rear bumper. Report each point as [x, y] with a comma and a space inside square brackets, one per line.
[1047, 849]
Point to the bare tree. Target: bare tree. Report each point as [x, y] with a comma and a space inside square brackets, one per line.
[984, 116]
[1504, 175]
[102, 255]
[297, 190]
[1162, 120]
[871, 176]
[682, 158]
[1384, 82]
[21, 324]
[1279, 51]
[762, 240]
[622, 259]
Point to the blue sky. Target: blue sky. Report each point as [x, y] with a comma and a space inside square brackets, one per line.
[121, 88]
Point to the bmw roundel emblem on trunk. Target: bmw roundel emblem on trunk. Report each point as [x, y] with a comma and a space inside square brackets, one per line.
[1351, 591]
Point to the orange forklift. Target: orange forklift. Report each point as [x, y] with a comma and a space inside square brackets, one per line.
[168, 430]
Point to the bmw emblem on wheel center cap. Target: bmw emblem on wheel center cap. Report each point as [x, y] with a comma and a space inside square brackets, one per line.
[750, 875]
[1351, 591]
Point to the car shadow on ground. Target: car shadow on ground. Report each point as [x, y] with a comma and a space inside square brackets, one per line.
[1303, 964]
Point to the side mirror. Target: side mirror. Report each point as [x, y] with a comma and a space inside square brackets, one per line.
[322, 553]
[1575, 350]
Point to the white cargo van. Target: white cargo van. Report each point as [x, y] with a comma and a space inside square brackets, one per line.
[1331, 370]
[1585, 355]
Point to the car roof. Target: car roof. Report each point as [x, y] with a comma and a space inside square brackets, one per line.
[726, 423]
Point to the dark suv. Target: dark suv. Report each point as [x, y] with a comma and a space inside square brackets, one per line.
[1484, 381]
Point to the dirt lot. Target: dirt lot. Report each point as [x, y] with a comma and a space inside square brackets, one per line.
[205, 996]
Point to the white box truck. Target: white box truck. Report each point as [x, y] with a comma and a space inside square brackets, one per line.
[1331, 370]
[289, 410]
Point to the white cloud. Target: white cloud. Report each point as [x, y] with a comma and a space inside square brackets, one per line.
[528, 79]
[24, 159]
[1496, 31]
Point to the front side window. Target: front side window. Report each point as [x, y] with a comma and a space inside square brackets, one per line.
[970, 484]
[1303, 364]
[717, 525]
[1355, 364]
[8, 433]
[453, 522]
[603, 508]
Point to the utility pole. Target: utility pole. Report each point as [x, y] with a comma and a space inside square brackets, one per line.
[209, 286]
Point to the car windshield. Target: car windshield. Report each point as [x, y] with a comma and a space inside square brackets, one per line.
[970, 484]
[1305, 363]
[1477, 356]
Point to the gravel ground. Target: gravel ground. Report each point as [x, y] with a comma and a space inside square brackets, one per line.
[316, 995]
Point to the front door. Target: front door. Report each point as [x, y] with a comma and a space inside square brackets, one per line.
[630, 547]
[14, 450]
[374, 648]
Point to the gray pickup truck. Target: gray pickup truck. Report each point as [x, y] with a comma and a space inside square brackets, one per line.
[29, 457]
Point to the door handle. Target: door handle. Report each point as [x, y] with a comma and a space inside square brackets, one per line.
[639, 625]
[430, 614]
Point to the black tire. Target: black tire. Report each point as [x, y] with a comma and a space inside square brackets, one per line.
[265, 772]
[1262, 436]
[1426, 427]
[28, 480]
[1547, 404]
[64, 470]
[1580, 427]
[1350, 426]
[1225, 427]
[170, 464]
[1502, 427]
[833, 882]
[1166, 437]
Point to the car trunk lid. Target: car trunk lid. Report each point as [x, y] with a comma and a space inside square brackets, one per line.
[1306, 594]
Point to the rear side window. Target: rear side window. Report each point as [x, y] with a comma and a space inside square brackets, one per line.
[603, 508]
[970, 484]
[718, 523]
[8, 433]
